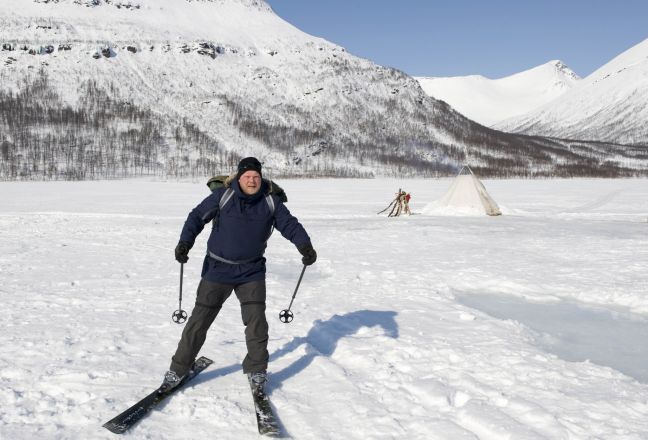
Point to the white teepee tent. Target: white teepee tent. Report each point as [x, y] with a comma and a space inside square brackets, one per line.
[466, 196]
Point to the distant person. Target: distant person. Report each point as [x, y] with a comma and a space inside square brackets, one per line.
[235, 262]
[406, 199]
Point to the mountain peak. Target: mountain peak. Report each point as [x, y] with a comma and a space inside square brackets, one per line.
[109, 21]
[555, 72]
[489, 101]
[563, 69]
[608, 105]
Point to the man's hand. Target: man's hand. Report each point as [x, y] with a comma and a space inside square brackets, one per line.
[309, 254]
[182, 252]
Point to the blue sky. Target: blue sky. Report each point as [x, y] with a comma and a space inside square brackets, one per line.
[494, 38]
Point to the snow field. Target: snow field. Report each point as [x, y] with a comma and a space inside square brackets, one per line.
[379, 348]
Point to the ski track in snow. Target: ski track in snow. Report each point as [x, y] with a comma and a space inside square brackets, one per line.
[379, 347]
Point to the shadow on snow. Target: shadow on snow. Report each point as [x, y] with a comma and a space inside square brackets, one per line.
[321, 340]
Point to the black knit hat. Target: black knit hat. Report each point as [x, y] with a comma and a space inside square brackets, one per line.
[248, 164]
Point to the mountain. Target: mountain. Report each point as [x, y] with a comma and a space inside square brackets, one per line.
[114, 88]
[609, 105]
[489, 101]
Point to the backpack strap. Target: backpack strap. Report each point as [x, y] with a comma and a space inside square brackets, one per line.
[271, 204]
[226, 197]
[229, 193]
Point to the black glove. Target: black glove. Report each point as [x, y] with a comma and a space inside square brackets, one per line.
[310, 256]
[182, 252]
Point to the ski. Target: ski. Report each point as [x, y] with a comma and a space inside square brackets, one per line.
[266, 419]
[132, 415]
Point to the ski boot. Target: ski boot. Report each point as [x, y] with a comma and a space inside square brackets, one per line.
[171, 380]
[258, 381]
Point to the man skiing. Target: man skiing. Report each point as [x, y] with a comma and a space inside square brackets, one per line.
[242, 224]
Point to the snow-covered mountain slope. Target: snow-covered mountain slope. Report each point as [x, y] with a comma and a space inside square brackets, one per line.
[610, 105]
[248, 80]
[489, 101]
[107, 88]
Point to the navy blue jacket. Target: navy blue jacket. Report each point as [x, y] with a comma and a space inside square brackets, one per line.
[240, 233]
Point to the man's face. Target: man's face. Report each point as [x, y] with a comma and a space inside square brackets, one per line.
[250, 182]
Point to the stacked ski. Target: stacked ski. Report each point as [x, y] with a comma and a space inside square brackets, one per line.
[132, 415]
[266, 419]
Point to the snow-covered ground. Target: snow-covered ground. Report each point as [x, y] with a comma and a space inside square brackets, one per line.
[381, 346]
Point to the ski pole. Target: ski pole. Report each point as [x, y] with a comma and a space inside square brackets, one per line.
[180, 316]
[286, 315]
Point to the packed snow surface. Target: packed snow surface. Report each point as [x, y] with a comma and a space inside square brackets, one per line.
[576, 332]
[381, 345]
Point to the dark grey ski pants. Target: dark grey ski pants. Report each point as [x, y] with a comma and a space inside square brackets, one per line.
[209, 301]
